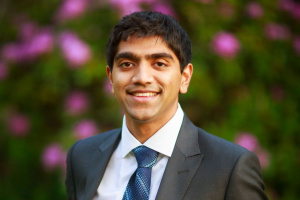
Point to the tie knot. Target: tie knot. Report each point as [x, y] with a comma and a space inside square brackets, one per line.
[145, 156]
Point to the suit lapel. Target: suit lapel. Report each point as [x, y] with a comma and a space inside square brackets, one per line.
[98, 163]
[184, 162]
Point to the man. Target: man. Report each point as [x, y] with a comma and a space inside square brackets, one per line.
[149, 64]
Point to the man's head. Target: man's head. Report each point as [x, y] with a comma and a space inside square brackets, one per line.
[148, 66]
[147, 24]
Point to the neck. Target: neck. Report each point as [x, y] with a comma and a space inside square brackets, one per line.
[143, 130]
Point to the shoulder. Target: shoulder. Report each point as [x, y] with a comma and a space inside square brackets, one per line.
[224, 151]
[101, 137]
[216, 142]
[235, 166]
[210, 145]
[93, 142]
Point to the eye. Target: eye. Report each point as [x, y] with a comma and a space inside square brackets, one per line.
[126, 65]
[160, 64]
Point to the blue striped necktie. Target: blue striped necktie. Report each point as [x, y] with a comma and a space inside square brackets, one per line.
[138, 187]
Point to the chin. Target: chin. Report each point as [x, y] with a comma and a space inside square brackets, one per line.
[141, 116]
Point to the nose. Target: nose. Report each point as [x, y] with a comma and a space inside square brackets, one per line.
[143, 74]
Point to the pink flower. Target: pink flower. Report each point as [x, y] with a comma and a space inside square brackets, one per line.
[130, 6]
[296, 45]
[164, 8]
[3, 71]
[38, 44]
[14, 52]
[75, 51]
[19, 124]
[295, 12]
[53, 157]
[85, 128]
[126, 6]
[286, 5]
[71, 9]
[225, 45]
[41, 43]
[251, 143]
[76, 103]
[254, 10]
[290, 6]
[275, 31]
[247, 141]
[264, 158]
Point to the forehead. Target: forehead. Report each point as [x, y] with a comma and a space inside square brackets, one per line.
[144, 46]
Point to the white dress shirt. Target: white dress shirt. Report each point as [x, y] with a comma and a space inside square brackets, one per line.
[123, 163]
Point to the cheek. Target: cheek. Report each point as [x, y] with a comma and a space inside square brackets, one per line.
[115, 82]
[172, 86]
[115, 88]
[118, 87]
[176, 82]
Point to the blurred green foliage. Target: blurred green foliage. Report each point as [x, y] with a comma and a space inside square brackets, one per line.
[257, 91]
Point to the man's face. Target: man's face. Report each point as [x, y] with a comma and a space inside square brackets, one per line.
[146, 79]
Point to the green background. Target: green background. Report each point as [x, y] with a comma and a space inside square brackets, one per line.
[256, 92]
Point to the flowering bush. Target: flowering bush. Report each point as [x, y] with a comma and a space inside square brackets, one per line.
[75, 52]
[225, 45]
[54, 89]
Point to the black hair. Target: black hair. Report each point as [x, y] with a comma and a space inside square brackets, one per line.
[146, 24]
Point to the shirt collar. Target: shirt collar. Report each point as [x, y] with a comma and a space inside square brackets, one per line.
[163, 141]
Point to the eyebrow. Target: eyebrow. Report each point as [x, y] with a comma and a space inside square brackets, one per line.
[134, 57]
[127, 55]
[159, 55]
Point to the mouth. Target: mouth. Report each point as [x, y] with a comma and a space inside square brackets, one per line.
[143, 93]
[146, 94]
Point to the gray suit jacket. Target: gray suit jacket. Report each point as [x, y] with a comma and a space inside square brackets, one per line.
[202, 166]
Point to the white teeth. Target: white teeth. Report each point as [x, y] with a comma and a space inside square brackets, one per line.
[148, 94]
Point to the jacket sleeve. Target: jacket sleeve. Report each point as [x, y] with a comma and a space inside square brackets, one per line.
[69, 182]
[246, 181]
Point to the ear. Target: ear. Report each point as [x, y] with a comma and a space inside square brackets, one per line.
[109, 75]
[186, 78]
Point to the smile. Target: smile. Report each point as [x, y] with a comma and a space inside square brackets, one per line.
[147, 94]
